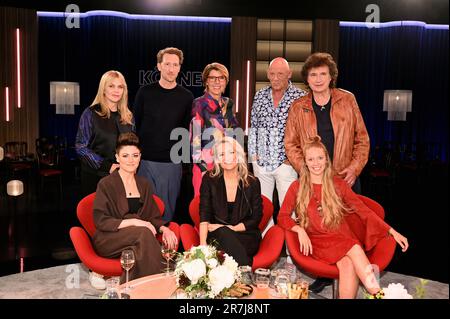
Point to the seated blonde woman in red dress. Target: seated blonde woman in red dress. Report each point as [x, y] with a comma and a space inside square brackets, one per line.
[320, 201]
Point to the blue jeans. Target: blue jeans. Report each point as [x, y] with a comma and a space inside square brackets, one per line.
[165, 179]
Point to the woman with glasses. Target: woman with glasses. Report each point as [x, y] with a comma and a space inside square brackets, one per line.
[212, 117]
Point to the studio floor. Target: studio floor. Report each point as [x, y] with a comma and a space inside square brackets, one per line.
[71, 282]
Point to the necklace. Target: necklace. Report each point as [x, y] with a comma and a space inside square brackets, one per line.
[129, 185]
[322, 102]
[319, 205]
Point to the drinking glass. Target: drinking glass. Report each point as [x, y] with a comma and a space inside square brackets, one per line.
[262, 280]
[273, 276]
[262, 272]
[262, 287]
[112, 291]
[127, 260]
[304, 285]
[294, 291]
[291, 272]
[281, 284]
[168, 255]
[246, 274]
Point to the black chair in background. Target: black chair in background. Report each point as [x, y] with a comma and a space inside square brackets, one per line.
[50, 153]
[17, 159]
[381, 170]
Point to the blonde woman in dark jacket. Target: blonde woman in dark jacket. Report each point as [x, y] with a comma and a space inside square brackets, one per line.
[231, 204]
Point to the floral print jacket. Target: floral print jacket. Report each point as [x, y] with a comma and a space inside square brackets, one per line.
[211, 119]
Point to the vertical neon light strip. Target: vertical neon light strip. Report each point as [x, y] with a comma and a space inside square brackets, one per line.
[247, 101]
[237, 96]
[7, 103]
[19, 102]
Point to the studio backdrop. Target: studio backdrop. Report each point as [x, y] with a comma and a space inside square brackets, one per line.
[125, 43]
[404, 56]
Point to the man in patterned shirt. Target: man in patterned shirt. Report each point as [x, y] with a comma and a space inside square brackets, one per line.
[266, 138]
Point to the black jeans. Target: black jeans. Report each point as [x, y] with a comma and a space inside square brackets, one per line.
[242, 246]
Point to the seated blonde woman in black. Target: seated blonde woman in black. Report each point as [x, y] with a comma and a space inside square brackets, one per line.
[231, 204]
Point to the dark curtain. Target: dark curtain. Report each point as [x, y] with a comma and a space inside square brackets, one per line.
[399, 57]
[130, 46]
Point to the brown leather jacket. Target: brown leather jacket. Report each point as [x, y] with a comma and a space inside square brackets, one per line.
[351, 141]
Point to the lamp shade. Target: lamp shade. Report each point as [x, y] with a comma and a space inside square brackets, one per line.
[14, 188]
[397, 103]
[65, 95]
[2, 153]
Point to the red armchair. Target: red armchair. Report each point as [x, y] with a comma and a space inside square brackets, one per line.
[82, 241]
[381, 254]
[270, 246]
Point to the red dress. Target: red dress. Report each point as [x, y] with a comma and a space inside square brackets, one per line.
[330, 246]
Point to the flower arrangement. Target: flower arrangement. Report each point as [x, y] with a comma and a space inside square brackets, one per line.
[205, 272]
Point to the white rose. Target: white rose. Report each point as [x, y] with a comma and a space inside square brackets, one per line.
[206, 250]
[396, 291]
[194, 270]
[220, 278]
[212, 263]
[230, 263]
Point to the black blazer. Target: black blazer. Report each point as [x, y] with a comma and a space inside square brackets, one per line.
[213, 202]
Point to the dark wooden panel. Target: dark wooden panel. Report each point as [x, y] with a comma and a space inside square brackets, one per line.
[326, 37]
[243, 48]
[24, 121]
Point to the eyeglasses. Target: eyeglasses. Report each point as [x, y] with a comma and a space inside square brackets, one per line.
[216, 78]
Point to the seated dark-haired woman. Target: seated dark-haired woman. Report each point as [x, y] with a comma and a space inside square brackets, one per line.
[231, 204]
[126, 215]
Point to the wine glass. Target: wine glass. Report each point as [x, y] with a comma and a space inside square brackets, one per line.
[281, 284]
[111, 288]
[127, 261]
[168, 254]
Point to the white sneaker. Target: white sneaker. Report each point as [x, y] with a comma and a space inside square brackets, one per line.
[289, 259]
[97, 281]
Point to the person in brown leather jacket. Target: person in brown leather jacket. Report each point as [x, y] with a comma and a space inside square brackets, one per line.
[334, 115]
